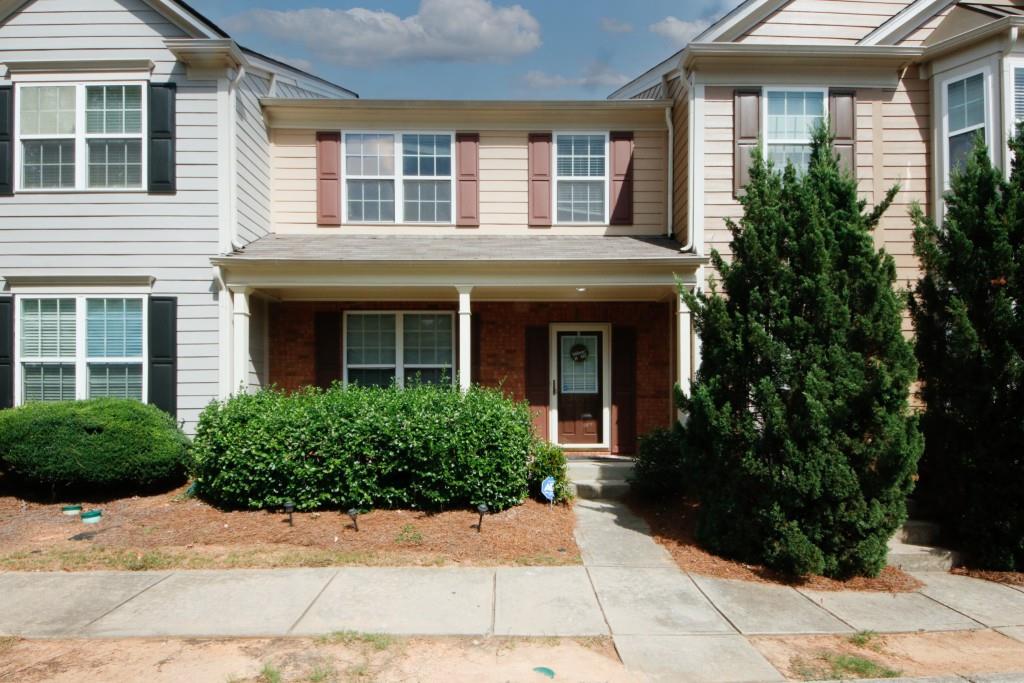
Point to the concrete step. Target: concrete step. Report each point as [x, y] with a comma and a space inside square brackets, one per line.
[921, 558]
[918, 532]
[599, 468]
[599, 489]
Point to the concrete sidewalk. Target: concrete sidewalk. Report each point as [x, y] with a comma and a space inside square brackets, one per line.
[666, 624]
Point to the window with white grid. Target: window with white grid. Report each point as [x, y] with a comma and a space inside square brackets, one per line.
[370, 177]
[382, 348]
[965, 118]
[76, 347]
[581, 172]
[427, 157]
[792, 116]
[81, 136]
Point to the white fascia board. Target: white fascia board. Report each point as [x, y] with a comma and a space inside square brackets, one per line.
[905, 22]
[649, 78]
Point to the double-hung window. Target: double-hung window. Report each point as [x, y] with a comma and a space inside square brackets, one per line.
[76, 347]
[403, 177]
[382, 348]
[965, 118]
[581, 178]
[791, 116]
[80, 137]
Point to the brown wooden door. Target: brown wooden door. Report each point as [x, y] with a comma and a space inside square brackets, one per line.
[580, 387]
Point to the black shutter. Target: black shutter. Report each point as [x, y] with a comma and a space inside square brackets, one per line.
[163, 353]
[327, 348]
[6, 352]
[163, 176]
[6, 140]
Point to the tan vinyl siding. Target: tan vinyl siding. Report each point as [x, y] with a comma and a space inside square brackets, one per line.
[169, 237]
[503, 187]
[920, 35]
[835, 22]
[680, 158]
[893, 139]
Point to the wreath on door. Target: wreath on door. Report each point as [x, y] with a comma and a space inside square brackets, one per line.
[579, 353]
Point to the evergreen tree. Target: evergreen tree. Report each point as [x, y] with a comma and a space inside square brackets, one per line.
[969, 323]
[799, 431]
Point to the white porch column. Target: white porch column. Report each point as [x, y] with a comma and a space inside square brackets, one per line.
[684, 336]
[465, 337]
[240, 374]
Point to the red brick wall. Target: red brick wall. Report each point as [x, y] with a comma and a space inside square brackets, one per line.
[502, 343]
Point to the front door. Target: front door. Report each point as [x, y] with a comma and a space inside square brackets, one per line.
[579, 379]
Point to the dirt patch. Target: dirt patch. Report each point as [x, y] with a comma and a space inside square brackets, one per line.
[172, 531]
[1009, 578]
[673, 524]
[347, 657]
[869, 655]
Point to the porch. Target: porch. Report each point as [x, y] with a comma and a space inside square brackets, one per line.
[593, 339]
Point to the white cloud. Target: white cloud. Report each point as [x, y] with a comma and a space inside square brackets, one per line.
[677, 31]
[594, 76]
[609, 25]
[441, 30]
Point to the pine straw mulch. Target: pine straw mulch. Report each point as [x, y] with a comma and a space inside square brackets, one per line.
[673, 524]
[1009, 578]
[170, 530]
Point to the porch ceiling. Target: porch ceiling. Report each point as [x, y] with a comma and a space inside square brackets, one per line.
[561, 293]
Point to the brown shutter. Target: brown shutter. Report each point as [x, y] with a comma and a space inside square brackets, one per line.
[467, 163]
[327, 348]
[328, 178]
[540, 180]
[622, 178]
[624, 390]
[842, 119]
[746, 112]
[537, 366]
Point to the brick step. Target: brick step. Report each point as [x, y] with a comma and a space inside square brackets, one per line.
[921, 558]
[598, 489]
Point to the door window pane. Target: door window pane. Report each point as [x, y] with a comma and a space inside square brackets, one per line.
[579, 363]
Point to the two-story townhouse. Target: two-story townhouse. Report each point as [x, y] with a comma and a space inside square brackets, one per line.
[905, 84]
[132, 150]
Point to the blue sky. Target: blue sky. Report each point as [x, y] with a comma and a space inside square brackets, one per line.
[487, 49]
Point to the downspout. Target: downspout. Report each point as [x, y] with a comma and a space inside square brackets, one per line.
[233, 165]
[688, 81]
[669, 182]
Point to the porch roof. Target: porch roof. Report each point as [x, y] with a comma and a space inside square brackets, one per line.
[416, 249]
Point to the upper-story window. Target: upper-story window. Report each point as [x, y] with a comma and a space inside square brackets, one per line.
[581, 178]
[965, 117]
[78, 137]
[791, 118]
[416, 189]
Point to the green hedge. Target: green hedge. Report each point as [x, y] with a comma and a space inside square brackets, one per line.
[424, 446]
[548, 460]
[98, 446]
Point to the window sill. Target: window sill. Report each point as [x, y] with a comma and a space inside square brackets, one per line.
[113, 190]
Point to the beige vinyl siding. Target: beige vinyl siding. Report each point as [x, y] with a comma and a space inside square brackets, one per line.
[893, 133]
[253, 152]
[168, 237]
[835, 22]
[503, 187]
[680, 158]
[920, 35]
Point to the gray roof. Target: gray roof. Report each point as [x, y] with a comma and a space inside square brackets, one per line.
[416, 248]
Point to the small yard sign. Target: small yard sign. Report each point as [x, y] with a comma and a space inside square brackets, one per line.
[547, 489]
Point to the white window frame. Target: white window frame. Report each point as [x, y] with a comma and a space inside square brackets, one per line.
[804, 141]
[400, 365]
[606, 382]
[555, 178]
[986, 85]
[398, 177]
[80, 137]
[81, 359]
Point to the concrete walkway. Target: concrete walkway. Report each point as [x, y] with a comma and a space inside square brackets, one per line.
[666, 623]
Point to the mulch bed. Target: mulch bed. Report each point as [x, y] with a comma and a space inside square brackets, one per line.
[673, 524]
[171, 530]
[1009, 578]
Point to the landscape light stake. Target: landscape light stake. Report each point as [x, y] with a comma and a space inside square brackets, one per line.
[289, 507]
[482, 509]
[353, 513]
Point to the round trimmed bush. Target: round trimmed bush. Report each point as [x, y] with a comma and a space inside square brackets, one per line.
[424, 446]
[98, 446]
